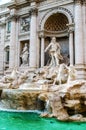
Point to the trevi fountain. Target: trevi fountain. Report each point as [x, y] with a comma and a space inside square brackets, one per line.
[52, 91]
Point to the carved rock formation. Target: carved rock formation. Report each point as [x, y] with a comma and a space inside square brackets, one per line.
[54, 90]
[68, 101]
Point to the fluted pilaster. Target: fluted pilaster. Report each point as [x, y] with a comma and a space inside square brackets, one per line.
[12, 62]
[79, 40]
[71, 43]
[2, 44]
[79, 47]
[42, 50]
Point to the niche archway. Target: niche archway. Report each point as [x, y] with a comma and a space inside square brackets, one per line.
[56, 25]
[7, 52]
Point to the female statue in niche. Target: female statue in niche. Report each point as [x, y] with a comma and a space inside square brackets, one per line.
[54, 49]
[25, 55]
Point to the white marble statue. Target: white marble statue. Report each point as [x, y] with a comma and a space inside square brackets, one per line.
[62, 75]
[54, 52]
[72, 74]
[25, 55]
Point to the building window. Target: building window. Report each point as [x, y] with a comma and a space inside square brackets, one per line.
[9, 27]
[25, 24]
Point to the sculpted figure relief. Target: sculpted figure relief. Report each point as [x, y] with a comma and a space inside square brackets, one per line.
[62, 75]
[25, 55]
[13, 80]
[72, 74]
[54, 52]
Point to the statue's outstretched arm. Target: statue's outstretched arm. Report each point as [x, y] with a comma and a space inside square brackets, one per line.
[47, 48]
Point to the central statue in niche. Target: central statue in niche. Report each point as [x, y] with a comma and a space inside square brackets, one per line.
[25, 55]
[54, 52]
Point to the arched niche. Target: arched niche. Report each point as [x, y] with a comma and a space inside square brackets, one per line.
[7, 53]
[50, 12]
[56, 25]
[57, 22]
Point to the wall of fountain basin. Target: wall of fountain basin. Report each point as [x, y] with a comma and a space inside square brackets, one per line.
[65, 102]
[21, 99]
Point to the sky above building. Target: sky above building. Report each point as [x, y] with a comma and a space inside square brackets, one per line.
[4, 1]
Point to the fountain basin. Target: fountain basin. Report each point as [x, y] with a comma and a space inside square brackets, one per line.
[31, 121]
[65, 102]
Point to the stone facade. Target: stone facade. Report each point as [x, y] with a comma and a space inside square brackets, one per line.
[35, 22]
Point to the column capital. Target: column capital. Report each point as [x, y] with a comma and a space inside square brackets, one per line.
[12, 17]
[33, 11]
[71, 27]
[80, 1]
[41, 34]
[2, 21]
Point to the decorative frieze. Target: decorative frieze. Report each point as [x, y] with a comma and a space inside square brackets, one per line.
[25, 24]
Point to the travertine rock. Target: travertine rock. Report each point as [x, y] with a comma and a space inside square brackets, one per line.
[20, 99]
[65, 101]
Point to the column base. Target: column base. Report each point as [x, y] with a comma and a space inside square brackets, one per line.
[81, 71]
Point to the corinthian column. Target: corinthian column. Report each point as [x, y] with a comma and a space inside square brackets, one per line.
[33, 39]
[42, 51]
[79, 46]
[84, 25]
[79, 40]
[71, 44]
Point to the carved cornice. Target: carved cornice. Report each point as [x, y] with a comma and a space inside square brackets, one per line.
[18, 4]
[80, 2]
[45, 33]
[35, 0]
[33, 11]
[12, 5]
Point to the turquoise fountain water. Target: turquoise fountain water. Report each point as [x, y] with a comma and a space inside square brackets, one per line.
[32, 121]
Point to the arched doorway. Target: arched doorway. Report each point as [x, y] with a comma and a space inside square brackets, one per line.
[56, 25]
